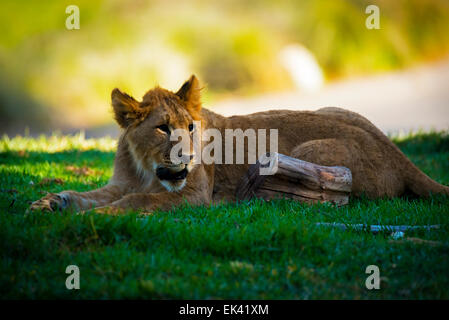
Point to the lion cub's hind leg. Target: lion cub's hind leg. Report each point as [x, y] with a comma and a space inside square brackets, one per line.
[342, 152]
[328, 152]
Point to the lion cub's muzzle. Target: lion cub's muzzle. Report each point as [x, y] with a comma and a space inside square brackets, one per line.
[171, 174]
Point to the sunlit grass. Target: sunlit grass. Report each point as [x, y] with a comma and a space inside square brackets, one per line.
[56, 143]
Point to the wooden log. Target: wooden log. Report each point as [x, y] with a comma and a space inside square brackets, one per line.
[288, 177]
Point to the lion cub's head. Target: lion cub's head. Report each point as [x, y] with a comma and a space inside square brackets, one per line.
[149, 124]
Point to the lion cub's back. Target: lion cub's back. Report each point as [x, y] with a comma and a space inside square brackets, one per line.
[296, 127]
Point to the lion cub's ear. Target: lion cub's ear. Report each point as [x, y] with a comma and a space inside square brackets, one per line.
[126, 108]
[190, 94]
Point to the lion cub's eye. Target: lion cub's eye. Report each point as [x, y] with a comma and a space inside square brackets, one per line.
[191, 127]
[164, 128]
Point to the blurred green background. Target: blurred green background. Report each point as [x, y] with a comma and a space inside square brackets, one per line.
[54, 78]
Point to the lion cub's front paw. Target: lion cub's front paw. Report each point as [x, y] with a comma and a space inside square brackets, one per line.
[51, 202]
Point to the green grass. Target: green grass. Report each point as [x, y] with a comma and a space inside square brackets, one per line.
[249, 250]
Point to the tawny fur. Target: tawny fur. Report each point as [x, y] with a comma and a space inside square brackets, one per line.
[329, 136]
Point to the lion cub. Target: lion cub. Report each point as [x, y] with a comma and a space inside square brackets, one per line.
[146, 178]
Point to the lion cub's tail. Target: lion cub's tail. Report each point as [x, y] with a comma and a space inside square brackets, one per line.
[421, 184]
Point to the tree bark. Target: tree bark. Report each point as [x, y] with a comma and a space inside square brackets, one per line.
[287, 177]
